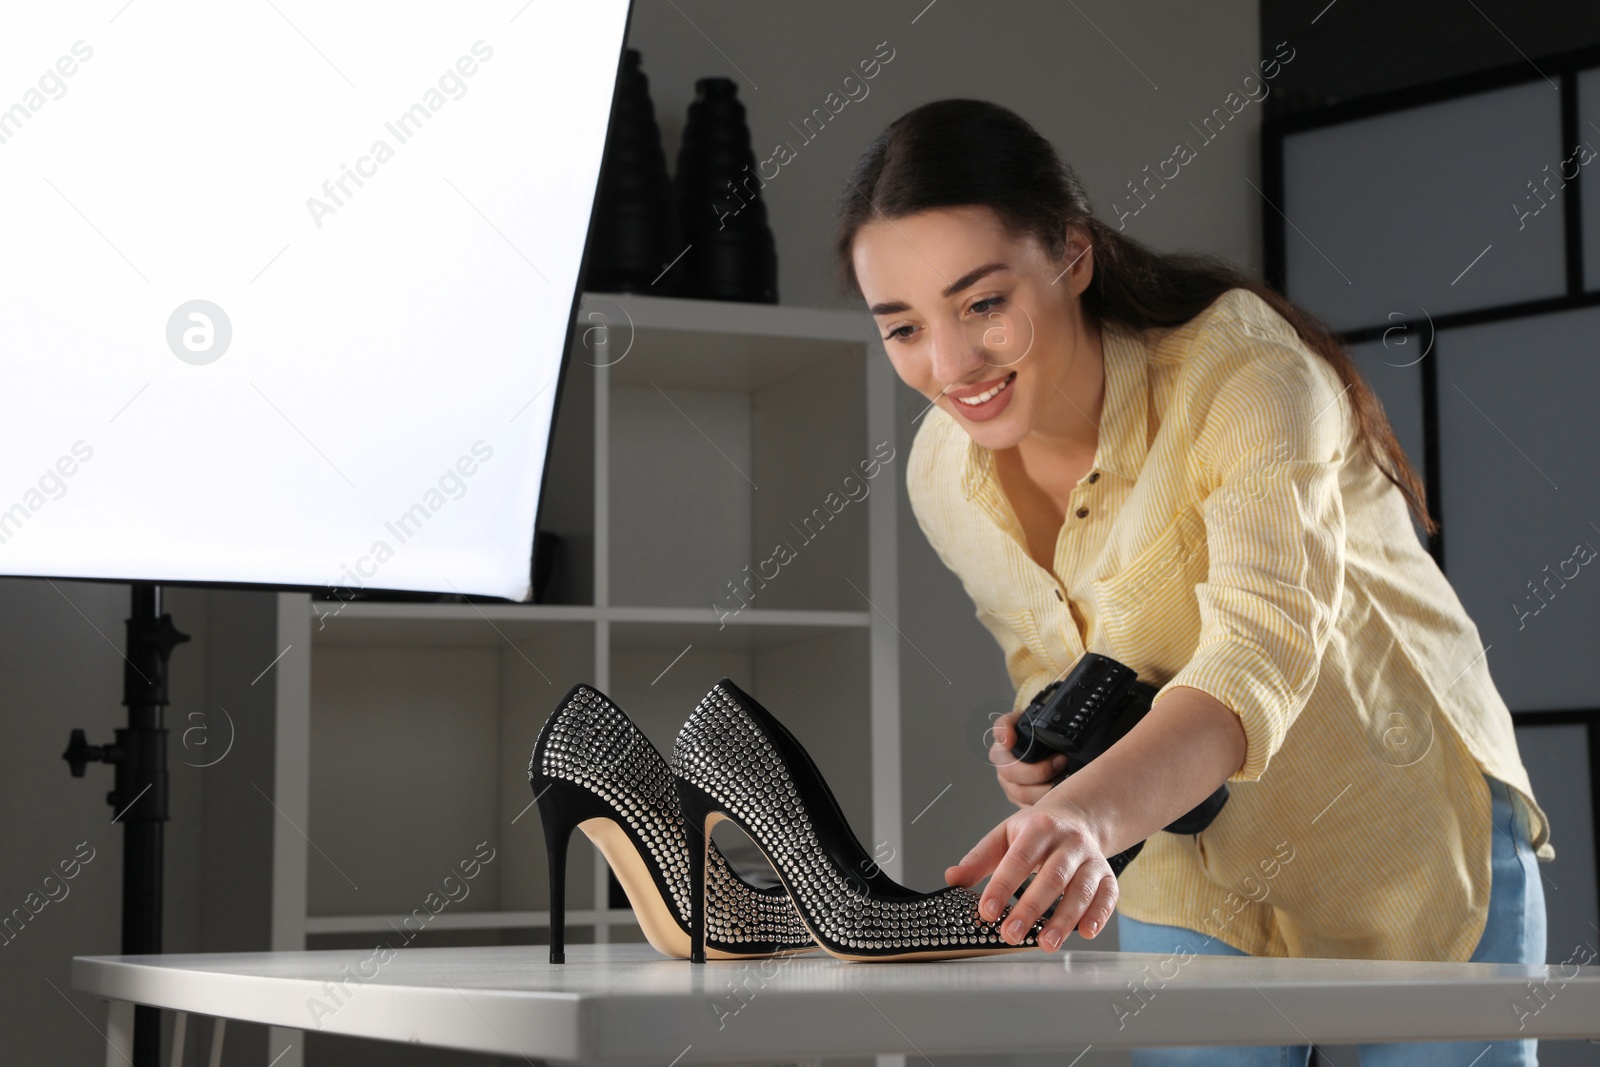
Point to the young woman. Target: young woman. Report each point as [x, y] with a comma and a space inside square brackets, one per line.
[1158, 458]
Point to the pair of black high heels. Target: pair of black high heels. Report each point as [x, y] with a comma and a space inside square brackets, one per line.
[593, 769]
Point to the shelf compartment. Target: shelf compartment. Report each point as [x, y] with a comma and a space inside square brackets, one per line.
[742, 500]
[441, 738]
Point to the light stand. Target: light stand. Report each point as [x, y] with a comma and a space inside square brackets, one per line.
[140, 794]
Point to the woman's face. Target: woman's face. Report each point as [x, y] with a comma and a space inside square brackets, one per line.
[981, 323]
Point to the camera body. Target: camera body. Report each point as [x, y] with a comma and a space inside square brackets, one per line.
[1085, 713]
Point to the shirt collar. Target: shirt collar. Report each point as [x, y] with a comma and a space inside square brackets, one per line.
[1123, 438]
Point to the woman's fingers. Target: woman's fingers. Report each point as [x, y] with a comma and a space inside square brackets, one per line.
[1003, 731]
[1099, 912]
[1068, 872]
[981, 860]
[1002, 737]
[1060, 872]
[1031, 836]
[1023, 783]
[1065, 863]
[1025, 796]
[1086, 903]
[1014, 770]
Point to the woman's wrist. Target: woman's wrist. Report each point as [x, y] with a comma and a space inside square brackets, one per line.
[1175, 756]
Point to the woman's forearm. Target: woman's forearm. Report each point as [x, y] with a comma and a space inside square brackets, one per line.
[1186, 745]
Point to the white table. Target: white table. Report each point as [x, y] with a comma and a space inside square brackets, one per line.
[625, 1004]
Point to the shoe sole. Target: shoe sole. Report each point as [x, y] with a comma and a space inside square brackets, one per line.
[660, 928]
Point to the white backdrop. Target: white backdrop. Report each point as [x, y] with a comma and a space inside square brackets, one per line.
[285, 286]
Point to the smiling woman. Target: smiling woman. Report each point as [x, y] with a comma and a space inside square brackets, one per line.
[1157, 458]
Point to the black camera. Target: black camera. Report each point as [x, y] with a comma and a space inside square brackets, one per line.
[1085, 713]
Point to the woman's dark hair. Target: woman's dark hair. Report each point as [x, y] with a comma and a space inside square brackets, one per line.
[960, 152]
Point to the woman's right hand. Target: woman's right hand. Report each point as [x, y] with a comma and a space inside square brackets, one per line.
[1023, 783]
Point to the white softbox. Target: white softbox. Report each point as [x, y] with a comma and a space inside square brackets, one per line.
[286, 287]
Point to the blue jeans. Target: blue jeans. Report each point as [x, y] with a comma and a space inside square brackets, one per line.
[1514, 933]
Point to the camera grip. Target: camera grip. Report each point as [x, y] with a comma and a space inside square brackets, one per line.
[1200, 816]
[1120, 861]
[1028, 750]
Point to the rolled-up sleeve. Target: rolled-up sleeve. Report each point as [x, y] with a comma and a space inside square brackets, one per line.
[1029, 681]
[1269, 428]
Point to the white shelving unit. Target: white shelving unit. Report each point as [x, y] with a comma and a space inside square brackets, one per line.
[694, 437]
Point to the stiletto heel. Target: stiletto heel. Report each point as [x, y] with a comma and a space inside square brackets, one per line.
[559, 821]
[734, 760]
[695, 811]
[593, 769]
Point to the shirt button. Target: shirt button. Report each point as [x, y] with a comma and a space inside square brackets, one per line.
[1082, 512]
[1095, 477]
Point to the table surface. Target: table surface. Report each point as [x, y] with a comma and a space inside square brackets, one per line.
[627, 1004]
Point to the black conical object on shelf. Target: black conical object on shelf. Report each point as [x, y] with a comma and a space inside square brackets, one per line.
[723, 220]
[636, 229]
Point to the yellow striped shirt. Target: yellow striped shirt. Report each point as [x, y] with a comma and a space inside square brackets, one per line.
[1233, 539]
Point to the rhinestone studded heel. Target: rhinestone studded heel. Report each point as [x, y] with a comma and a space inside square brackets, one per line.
[733, 760]
[594, 770]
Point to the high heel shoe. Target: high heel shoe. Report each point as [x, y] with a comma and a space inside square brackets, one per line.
[593, 769]
[733, 760]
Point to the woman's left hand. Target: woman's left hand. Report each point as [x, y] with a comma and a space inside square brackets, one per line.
[1057, 840]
